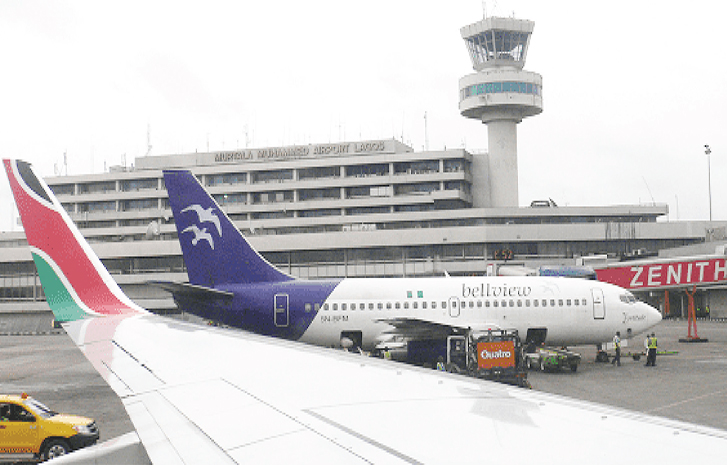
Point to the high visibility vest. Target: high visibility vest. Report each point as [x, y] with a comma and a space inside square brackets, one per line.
[652, 342]
[440, 366]
[617, 342]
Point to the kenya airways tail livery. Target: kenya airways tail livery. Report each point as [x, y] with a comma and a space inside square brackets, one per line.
[285, 402]
[230, 281]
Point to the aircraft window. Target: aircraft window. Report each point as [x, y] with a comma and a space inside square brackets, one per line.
[380, 306]
[584, 302]
[519, 303]
[545, 303]
[424, 305]
[406, 304]
[527, 302]
[371, 306]
[316, 307]
[434, 305]
[472, 304]
[444, 304]
[479, 304]
[343, 306]
[535, 302]
[413, 305]
[552, 302]
[308, 308]
[504, 303]
[487, 303]
[335, 306]
[388, 305]
[325, 306]
[567, 302]
[627, 298]
[398, 305]
[512, 303]
[560, 302]
[494, 303]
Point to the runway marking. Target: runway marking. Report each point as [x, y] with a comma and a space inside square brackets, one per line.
[724, 391]
[722, 361]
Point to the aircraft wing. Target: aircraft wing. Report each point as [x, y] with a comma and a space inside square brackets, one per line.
[199, 394]
[417, 328]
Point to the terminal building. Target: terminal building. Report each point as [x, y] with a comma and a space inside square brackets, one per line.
[371, 208]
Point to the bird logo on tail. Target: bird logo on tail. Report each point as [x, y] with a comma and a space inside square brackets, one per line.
[203, 216]
[200, 235]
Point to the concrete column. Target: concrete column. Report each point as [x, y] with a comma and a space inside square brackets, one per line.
[502, 152]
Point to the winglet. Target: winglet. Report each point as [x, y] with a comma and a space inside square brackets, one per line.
[74, 280]
[214, 250]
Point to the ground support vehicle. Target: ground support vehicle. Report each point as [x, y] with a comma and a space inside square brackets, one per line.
[637, 355]
[550, 359]
[31, 431]
[497, 355]
[494, 355]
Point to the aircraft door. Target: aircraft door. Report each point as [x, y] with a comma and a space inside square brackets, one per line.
[454, 307]
[282, 314]
[599, 306]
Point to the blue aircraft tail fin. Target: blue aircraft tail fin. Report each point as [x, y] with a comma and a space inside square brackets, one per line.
[214, 250]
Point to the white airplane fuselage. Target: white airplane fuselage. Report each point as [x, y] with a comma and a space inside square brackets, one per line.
[574, 311]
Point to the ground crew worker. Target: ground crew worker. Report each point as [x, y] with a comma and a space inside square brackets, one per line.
[651, 356]
[617, 347]
[387, 354]
[440, 364]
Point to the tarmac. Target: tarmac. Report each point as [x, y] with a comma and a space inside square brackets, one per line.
[690, 386]
[54, 371]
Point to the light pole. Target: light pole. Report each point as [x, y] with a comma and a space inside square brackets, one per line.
[707, 151]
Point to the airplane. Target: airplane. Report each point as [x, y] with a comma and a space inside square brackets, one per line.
[231, 282]
[204, 394]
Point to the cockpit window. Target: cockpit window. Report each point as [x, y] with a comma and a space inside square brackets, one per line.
[627, 298]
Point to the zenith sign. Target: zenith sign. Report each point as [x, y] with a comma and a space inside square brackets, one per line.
[655, 275]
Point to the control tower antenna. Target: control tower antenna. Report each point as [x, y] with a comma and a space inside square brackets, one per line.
[500, 94]
[148, 139]
[426, 133]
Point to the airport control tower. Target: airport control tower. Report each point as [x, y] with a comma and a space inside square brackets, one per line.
[500, 94]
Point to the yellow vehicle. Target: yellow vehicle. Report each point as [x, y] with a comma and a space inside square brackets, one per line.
[30, 430]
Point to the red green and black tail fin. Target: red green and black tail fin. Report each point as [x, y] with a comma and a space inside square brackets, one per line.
[75, 282]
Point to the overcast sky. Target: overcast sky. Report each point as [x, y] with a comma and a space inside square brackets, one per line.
[632, 90]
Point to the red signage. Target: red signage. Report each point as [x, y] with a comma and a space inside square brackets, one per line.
[655, 275]
[496, 354]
